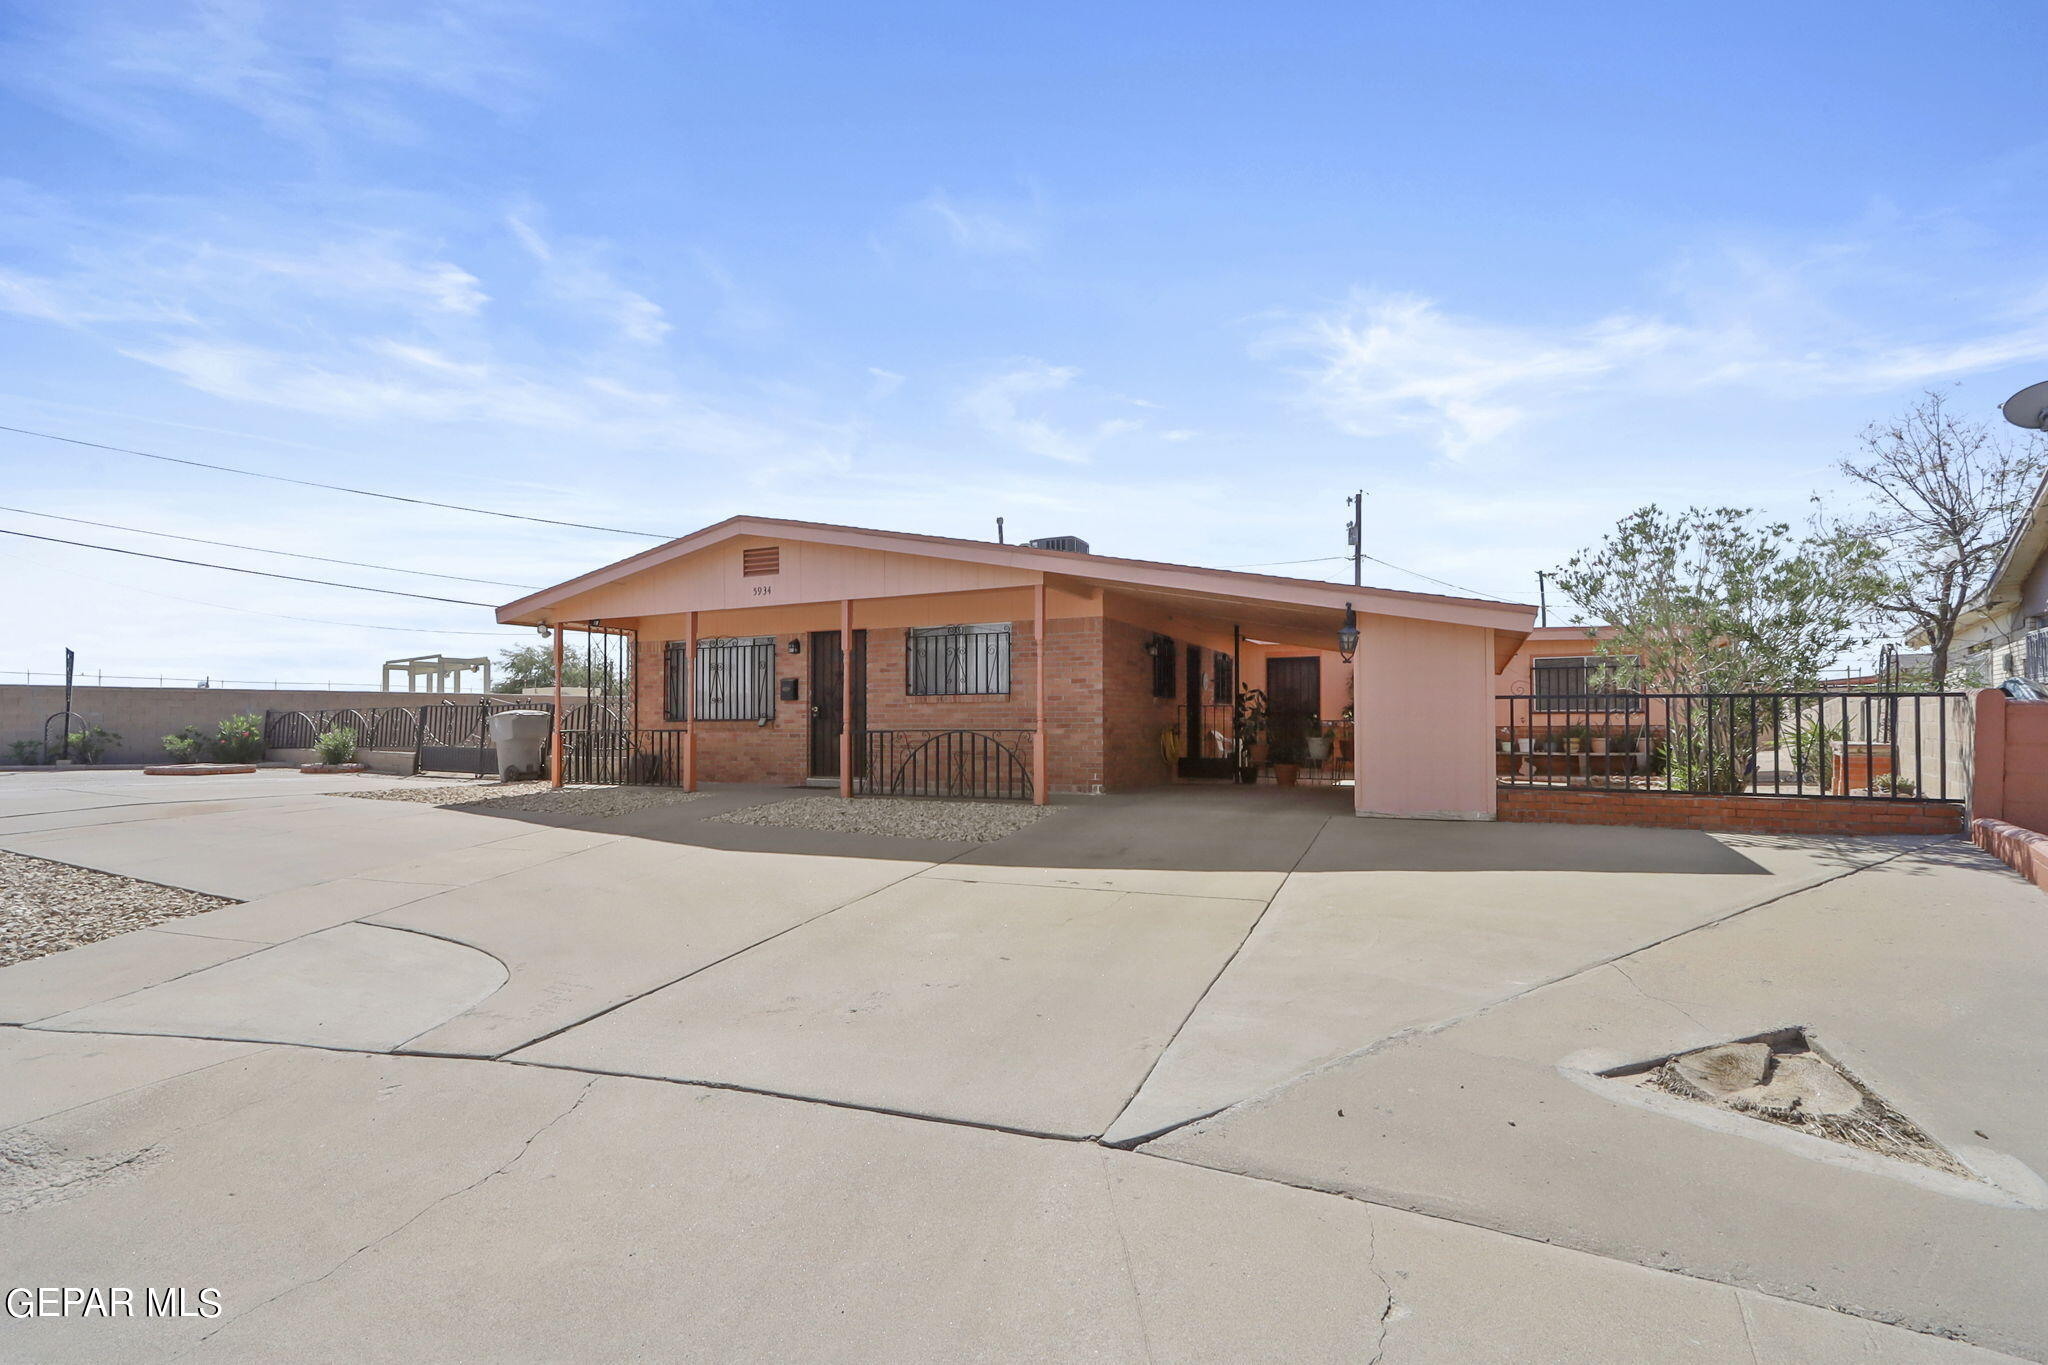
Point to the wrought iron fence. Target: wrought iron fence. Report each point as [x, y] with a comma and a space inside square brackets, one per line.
[442, 736]
[621, 757]
[1882, 745]
[967, 764]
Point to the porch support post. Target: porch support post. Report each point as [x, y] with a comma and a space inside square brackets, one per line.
[690, 701]
[1038, 745]
[846, 696]
[555, 737]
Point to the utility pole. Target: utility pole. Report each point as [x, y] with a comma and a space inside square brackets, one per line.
[1542, 601]
[1355, 532]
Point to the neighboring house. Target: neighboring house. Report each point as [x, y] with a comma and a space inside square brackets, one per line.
[1560, 670]
[2004, 632]
[1079, 664]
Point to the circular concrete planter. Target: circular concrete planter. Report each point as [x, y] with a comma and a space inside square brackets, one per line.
[334, 767]
[198, 769]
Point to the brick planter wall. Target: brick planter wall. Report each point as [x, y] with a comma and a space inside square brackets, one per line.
[1733, 814]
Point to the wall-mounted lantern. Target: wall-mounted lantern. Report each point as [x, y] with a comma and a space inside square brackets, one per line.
[1347, 636]
[796, 644]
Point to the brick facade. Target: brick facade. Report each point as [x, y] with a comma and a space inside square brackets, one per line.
[779, 751]
[1730, 814]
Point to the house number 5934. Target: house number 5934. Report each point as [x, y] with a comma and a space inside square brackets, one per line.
[762, 590]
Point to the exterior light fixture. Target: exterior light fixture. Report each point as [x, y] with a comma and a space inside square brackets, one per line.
[1347, 636]
[796, 644]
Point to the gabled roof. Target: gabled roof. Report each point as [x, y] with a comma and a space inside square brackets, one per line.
[2022, 552]
[1507, 616]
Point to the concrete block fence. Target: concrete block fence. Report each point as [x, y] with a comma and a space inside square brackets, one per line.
[142, 716]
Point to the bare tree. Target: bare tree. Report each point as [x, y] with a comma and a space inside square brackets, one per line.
[1947, 494]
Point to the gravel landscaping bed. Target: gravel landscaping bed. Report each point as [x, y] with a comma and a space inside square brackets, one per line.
[531, 798]
[46, 907]
[966, 822]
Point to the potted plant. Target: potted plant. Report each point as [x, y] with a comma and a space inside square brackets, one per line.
[1288, 748]
[1250, 721]
[1599, 743]
[1317, 744]
[1575, 739]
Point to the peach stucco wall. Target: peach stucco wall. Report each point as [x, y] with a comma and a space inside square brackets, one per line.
[808, 573]
[1424, 698]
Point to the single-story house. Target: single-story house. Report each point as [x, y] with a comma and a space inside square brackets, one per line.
[768, 650]
[2003, 632]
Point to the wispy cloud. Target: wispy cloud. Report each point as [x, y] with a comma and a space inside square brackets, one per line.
[1383, 363]
[982, 229]
[573, 271]
[300, 72]
[1011, 406]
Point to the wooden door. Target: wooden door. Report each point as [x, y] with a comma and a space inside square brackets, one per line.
[1294, 694]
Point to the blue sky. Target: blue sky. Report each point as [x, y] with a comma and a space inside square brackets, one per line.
[1172, 278]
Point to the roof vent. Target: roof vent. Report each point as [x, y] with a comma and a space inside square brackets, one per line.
[761, 561]
[1071, 544]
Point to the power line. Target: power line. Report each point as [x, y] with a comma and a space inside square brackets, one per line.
[258, 549]
[333, 487]
[260, 573]
[1383, 563]
[276, 615]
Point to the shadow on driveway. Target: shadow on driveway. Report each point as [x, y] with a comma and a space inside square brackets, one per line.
[1202, 828]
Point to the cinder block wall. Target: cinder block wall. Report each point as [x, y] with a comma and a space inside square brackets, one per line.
[142, 716]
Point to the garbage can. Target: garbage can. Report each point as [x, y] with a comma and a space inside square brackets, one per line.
[521, 739]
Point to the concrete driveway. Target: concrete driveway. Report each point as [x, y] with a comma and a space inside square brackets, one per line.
[1200, 1075]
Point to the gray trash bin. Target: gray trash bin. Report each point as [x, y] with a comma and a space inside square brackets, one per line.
[521, 739]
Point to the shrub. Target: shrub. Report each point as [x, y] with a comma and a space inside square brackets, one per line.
[187, 745]
[241, 739]
[336, 746]
[1893, 783]
[26, 752]
[89, 744]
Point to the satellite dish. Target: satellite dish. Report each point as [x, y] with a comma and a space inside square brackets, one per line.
[2029, 407]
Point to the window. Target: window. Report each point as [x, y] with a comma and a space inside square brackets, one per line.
[958, 661]
[1162, 666]
[1224, 681]
[1583, 684]
[761, 561]
[675, 665]
[736, 678]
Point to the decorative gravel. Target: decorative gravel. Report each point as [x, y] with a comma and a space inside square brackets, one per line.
[532, 798]
[46, 907]
[966, 822]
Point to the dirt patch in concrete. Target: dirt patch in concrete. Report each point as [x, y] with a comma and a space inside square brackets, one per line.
[1783, 1078]
[46, 907]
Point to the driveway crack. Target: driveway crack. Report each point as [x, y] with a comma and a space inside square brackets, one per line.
[433, 1204]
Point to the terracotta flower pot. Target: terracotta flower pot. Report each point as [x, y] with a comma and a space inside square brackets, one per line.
[1286, 773]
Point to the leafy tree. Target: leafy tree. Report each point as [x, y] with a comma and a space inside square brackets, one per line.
[1946, 495]
[1711, 600]
[525, 666]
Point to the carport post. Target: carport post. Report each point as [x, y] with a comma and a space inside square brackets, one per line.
[1038, 694]
[846, 696]
[690, 701]
[555, 731]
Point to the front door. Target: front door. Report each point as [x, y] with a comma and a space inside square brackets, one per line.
[828, 717]
[1294, 693]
